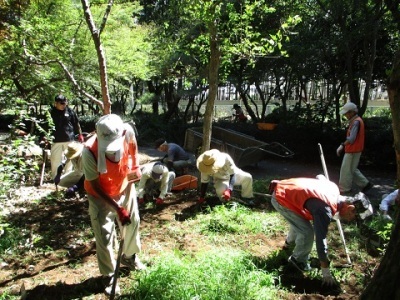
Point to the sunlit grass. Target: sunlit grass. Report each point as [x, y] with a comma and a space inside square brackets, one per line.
[237, 219]
[222, 273]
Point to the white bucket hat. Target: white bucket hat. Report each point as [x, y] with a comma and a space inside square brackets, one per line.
[109, 129]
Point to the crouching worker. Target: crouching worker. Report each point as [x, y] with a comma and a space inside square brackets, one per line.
[176, 159]
[156, 182]
[300, 200]
[220, 167]
[74, 179]
[105, 165]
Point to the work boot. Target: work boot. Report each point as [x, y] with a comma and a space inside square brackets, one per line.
[302, 267]
[367, 187]
[132, 262]
[250, 202]
[287, 246]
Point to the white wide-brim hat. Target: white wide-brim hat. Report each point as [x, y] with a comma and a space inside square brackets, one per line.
[210, 161]
[74, 149]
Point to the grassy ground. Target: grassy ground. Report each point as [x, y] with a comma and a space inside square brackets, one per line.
[210, 252]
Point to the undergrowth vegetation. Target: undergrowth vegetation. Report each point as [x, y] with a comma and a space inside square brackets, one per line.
[236, 251]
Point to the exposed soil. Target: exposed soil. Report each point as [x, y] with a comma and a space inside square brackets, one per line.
[69, 269]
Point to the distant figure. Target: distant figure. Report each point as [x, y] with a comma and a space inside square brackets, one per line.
[239, 115]
[353, 147]
[66, 125]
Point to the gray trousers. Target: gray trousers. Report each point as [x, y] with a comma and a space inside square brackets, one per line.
[103, 225]
[349, 173]
[301, 232]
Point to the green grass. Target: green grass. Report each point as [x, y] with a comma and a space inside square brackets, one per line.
[218, 274]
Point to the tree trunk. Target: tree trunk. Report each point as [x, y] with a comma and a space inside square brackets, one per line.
[100, 53]
[213, 83]
[385, 282]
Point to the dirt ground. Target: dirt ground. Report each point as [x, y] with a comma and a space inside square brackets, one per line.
[70, 269]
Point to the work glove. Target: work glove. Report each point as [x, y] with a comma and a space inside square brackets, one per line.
[339, 150]
[227, 194]
[124, 216]
[70, 192]
[81, 138]
[201, 200]
[159, 201]
[327, 278]
[140, 201]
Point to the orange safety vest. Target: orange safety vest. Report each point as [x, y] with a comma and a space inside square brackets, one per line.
[358, 145]
[113, 182]
[293, 193]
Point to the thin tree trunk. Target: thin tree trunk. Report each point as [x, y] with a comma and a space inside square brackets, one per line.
[100, 52]
[385, 282]
[213, 82]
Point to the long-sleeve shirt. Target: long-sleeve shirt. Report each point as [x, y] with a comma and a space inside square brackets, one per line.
[176, 153]
[224, 173]
[322, 216]
[146, 175]
[66, 124]
[388, 200]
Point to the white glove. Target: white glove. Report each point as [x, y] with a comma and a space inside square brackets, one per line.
[339, 150]
[327, 278]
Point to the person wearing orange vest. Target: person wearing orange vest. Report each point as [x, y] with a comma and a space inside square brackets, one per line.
[109, 158]
[353, 147]
[302, 200]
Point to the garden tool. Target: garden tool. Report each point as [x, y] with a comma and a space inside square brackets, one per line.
[43, 167]
[130, 208]
[338, 223]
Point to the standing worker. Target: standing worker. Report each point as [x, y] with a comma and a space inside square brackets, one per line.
[300, 200]
[353, 147]
[109, 157]
[66, 125]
